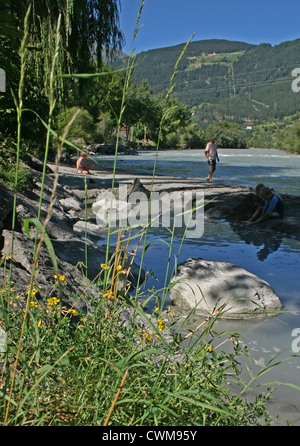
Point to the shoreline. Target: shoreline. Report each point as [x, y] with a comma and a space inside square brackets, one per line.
[230, 203]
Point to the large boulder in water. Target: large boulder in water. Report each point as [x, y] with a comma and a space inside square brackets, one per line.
[208, 285]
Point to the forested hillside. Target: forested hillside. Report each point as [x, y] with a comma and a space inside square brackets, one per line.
[225, 80]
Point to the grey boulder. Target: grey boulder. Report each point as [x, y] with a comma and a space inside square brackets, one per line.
[207, 286]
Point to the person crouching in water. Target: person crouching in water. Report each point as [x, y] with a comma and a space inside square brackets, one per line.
[273, 208]
[82, 165]
[211, 155]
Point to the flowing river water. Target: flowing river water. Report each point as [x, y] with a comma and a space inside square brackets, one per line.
[270, 256]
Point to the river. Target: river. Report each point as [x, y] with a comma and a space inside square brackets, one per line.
[274, 258]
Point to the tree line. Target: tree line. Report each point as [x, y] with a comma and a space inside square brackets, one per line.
[89, 29]
[256, 86]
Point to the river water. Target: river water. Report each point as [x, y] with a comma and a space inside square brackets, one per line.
[274, 258]
[249, 167]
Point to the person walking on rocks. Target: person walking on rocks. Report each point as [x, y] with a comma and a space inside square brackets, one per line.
[211, 155]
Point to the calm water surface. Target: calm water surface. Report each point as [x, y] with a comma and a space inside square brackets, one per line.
[272, 257]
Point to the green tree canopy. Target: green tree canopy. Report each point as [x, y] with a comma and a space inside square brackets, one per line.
[87, 27]
[229, 134]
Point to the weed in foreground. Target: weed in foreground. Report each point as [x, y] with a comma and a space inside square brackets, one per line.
[102, 369]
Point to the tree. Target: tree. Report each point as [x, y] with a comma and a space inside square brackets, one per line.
[10, 37]
[82, 127]
[193, 137]
[138, 105]
[172, 115]
[87, 26]
[290, 138]
[229, 134]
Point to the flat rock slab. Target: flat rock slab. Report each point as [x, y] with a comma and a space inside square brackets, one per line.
[207, 285]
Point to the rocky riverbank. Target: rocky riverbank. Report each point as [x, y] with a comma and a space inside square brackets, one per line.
[74, 240]
[67, 228]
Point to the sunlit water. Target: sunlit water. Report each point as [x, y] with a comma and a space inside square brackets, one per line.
[248, 167]
[272, 257]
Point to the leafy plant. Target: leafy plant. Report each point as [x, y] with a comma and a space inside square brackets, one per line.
[8, 164]
[82, 127]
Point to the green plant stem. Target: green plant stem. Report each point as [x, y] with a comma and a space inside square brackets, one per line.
[19, 122]
[52, 103]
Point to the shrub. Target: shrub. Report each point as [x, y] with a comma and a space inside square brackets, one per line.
[172, 140]
[290, 139]
[8, 157]
[83, 126]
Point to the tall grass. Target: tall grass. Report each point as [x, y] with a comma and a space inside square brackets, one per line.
[113, 365]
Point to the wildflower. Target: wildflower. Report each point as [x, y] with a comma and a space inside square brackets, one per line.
[161, 325]
[170, 313]
[156, 309]
[51, 301]
[121, 270]
[209, 348]
[40, 324]
[104, 266]
[109, 294]
[60, 277]
[33, 292]
[149, 337]
[72, 311]
[33, 304]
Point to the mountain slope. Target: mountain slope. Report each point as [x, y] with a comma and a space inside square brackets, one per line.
[221, 79]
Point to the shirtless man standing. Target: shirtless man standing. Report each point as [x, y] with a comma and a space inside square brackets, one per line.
[211, 155]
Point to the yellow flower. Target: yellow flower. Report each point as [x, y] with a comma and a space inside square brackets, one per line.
[51, 301]
[109, 294]
[121, 270]
[33, 292]
[60, 277]
[161, 325]
[104, 266]
[40, 324]
[33, 304]
[170, 313]
[72, 311]
[156, 309]
[209, 348]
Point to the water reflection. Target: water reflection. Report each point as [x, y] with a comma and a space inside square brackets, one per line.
[269, 241]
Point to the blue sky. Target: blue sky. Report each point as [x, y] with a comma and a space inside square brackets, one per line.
[171, 22]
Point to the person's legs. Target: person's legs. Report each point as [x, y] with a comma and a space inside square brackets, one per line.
[212, 168]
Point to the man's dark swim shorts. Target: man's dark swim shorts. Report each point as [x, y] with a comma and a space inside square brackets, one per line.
[212, 162]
